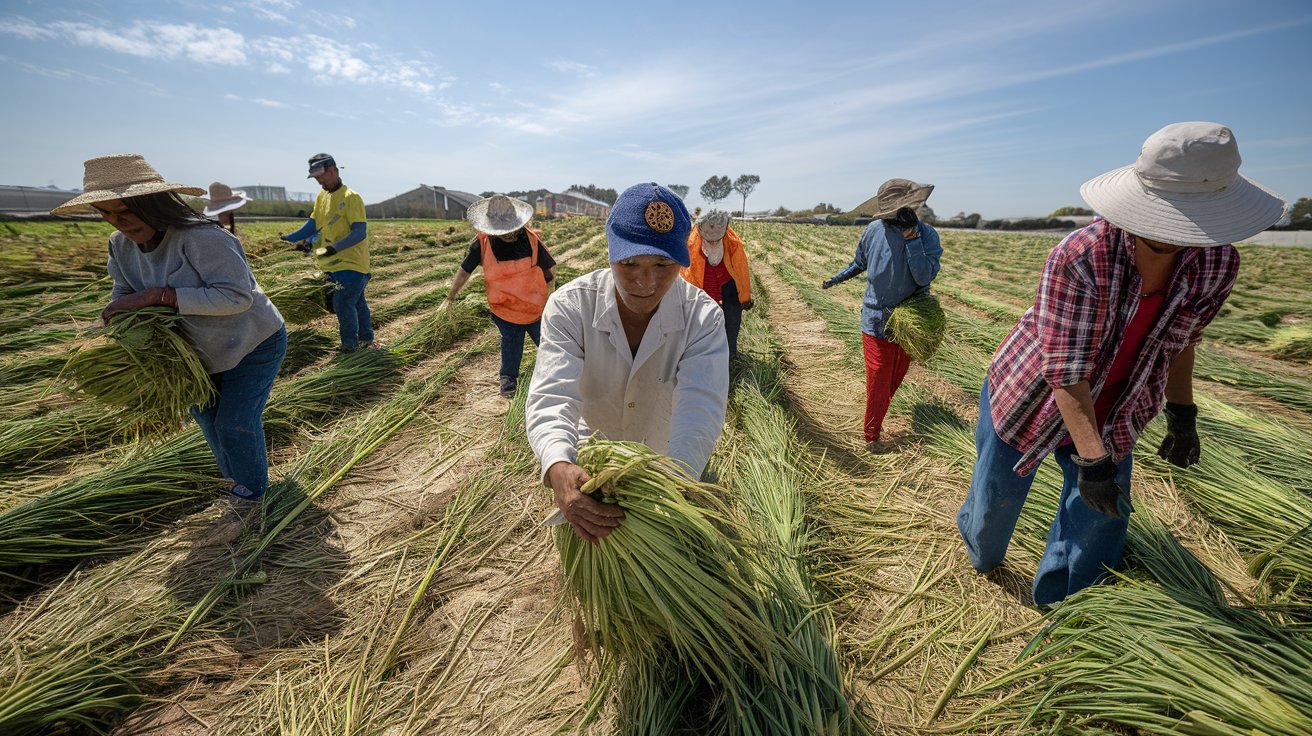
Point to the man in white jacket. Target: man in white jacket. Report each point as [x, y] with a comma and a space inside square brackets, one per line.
[631, 352]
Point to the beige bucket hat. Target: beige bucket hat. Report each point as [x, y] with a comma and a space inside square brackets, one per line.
[224, 199]
[499, 214]
[1186, 189]
[895, 194]
[119, 177]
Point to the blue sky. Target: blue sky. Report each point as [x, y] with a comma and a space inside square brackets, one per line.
[1005, 107]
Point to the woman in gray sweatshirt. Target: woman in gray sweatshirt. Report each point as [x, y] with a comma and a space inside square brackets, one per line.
[165, 253]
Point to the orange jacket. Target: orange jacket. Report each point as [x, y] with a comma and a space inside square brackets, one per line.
[516, 290]
[735, 259]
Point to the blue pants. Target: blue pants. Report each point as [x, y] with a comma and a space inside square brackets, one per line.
[733, 315]
[352, 310]
[1082, 543]
[231, 423]
[512, 343]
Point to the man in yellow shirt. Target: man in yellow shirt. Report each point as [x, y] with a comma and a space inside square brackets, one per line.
[343, 252]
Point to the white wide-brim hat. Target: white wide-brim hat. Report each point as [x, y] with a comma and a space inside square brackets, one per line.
[119, 177]
[224, 199]
[1186, 189]
[499, 214]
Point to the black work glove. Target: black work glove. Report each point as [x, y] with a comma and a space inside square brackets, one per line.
[1180, 446]
[747, 305]
[828, 283]
[304, 247]
[327, 250]
[1098, 485]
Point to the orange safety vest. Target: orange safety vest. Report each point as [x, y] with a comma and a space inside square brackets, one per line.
[735, 260]
[516, 290]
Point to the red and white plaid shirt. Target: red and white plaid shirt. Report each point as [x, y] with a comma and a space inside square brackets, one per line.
[1088, 293]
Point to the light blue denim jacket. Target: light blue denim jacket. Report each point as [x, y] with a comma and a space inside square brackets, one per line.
[895, 269]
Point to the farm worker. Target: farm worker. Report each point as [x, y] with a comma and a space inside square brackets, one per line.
[167, 254]
[1121, 305]
[225, 200]
[631, 352]
[900, 255]
[718, 266]
[516, 271]
[343, 253]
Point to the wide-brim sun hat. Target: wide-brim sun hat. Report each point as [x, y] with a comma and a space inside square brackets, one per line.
[119, 177]
[895, 194]
[499, 214]
[1186, 189]
[224, 199]
[648, 220]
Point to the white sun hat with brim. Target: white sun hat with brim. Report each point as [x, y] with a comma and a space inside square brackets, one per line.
[119, 177]
[499, 214]
[224, 199]
[1186, 189]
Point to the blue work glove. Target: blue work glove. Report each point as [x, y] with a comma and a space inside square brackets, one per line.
[1098, 486]
[1180, 447]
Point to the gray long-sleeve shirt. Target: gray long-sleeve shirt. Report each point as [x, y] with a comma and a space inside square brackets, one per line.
[225, 314]
[895, 269]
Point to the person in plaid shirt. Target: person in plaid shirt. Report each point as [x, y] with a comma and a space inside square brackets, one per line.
[1120, 307]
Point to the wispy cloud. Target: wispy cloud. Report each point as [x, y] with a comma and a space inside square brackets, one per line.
[574, 67]
[267, 102]
[25, 28]
[333, 62]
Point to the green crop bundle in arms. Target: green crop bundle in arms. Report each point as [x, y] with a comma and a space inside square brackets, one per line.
[143, 366]
[301, 299]
[672, 578]
[918, 325]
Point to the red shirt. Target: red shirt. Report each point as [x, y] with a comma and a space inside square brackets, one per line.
[1087, 296]
[1136, 333]
[714, 280]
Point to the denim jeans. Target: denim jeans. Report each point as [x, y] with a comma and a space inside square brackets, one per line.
[733, 315]
[1082, 543]
[231, 423]
[352, 310]
[512, 343]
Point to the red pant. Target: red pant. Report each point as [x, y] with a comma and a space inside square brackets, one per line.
[886, 366]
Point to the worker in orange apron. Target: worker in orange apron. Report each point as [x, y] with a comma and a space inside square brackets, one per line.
[516, 268]
[718, 266]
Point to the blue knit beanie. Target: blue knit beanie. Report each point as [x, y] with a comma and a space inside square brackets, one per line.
[648, 220]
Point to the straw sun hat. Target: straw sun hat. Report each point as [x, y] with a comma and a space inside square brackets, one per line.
[1185, 189]
[224, 199]
[119, 177]
[895, 194]
[499, 214]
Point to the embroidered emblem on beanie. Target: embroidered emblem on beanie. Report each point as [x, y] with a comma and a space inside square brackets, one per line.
[660, 217]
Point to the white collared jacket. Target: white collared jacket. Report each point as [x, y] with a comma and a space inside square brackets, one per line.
[671, 396]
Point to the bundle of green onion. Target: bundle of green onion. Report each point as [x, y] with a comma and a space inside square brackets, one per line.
[144, 366]
[918, 325]
[673, 579]
[301, 299]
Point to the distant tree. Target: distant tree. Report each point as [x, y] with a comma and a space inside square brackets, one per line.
[485, 195]
[781, 212]
[679, 189]
[744, 186]
[605, 195]
[715, 189]
[1302, 209]
[1071, 212]
[925, 214]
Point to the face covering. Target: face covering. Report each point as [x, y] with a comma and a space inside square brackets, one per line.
[905, 220]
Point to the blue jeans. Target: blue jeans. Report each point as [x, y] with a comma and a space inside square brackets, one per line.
[512, 343]
[231, 423]
[1082, 543]
[352, 310]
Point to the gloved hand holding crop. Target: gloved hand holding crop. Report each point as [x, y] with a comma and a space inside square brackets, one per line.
[327, 250]
[1180, 447]
[1098, 486]
[828, 283]
[747, 305]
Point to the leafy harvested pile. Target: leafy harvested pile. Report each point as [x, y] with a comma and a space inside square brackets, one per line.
[918, 325]
[301, 299]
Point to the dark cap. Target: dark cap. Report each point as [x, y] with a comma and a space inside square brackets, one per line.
[319, 162]
[648, 219]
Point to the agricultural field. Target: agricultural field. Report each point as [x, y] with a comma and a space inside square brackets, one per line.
[401, 584]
